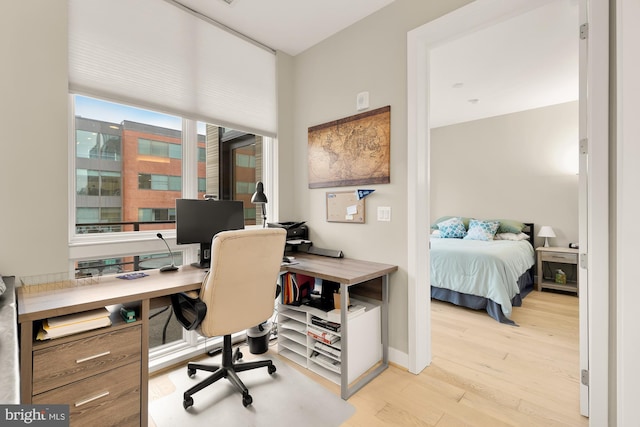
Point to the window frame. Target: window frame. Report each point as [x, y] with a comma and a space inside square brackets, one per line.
[109, 245]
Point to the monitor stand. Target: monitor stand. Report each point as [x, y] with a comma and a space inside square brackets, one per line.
[205, 256]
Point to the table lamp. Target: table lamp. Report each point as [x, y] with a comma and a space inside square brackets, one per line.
[546, 232]
[260, 198]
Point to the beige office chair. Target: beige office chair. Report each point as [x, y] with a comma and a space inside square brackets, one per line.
[238, 293]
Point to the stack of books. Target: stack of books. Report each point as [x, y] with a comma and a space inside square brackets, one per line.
[56, 327]
[323, 336]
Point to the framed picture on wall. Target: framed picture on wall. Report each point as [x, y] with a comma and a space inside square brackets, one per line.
[351, 151]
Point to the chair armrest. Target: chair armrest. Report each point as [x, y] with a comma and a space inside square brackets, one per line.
[188, 310]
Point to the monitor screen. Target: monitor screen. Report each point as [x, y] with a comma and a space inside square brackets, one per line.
[197, 221]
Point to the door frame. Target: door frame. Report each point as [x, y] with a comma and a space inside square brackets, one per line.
[469, 18]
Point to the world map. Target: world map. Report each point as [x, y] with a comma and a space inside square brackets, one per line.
[350, 151]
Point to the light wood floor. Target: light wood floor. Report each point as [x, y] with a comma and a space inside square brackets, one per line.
[483, 373]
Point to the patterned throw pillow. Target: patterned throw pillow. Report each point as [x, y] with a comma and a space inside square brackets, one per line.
[482, 230]
[452, 229]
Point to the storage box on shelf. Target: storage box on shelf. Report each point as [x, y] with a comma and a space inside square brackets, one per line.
[298, 341]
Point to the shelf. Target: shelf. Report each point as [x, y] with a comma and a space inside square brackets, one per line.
[294, 357]
[572, 287]
[293, 325]
[300, 338]
[324, 372]
[294, 347]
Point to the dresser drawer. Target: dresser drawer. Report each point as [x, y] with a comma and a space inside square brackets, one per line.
[108, 399]
[559, 257]
[72, 361]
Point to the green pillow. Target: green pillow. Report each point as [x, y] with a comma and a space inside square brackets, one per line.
[509, 226]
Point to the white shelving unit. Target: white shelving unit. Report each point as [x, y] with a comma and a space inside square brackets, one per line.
[364, 341]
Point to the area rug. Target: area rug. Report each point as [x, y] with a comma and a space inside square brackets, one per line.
[286, 398]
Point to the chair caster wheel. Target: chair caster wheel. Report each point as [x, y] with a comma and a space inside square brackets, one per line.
[247, 400]
[271, 369]
[237, 355]
[187, 402]
[191, 372]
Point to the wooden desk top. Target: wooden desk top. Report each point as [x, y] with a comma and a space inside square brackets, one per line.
[111, 290]
[341, 270]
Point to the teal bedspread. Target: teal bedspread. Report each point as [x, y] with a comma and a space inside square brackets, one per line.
[488, 269]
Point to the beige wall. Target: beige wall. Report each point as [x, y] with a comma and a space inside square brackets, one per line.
[368, 56]
[519, 166]
[33, 147]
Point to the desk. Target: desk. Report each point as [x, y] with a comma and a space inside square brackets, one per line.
[128, 357]
[95, 387]
[349, 273]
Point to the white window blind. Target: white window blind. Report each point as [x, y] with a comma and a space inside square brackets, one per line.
[155, 55]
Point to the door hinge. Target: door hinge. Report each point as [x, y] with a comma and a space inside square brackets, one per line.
[584, 146]
[584, 377]
[584, 31]
[583, 261]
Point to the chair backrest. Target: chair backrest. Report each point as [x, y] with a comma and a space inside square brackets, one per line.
[240, 289]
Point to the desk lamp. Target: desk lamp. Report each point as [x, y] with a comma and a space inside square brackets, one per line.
[260, 198]
[546, 232]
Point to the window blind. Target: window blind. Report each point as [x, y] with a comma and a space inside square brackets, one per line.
[155, 55]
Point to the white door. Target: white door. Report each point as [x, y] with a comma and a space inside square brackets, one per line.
[593, 210]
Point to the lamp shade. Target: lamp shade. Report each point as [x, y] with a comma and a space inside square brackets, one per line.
[259, 196]
[546, 231]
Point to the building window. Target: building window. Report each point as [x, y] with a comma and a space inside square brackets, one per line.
[151, 214]
[159, 149]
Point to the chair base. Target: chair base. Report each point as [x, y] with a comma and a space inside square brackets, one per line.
[227, 370]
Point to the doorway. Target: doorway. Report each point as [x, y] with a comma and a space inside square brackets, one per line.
[482, 13]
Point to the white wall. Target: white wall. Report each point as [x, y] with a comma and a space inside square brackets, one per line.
[33, 147]
[520, 166]
[368, 56]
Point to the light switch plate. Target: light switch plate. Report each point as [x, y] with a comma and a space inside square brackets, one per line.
[384, 213]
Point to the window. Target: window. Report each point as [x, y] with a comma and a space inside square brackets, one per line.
[132, 164]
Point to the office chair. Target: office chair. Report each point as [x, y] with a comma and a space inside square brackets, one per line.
[236, 294]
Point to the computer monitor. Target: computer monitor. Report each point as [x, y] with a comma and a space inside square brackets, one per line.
[197, 221]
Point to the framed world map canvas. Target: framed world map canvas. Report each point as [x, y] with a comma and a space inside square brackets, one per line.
[351, 151]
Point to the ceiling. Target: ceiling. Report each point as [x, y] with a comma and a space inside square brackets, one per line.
[528, 61]
[291, 26]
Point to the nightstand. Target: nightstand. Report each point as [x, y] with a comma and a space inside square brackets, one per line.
[555, 255]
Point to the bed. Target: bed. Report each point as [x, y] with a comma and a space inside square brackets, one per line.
[492, 273]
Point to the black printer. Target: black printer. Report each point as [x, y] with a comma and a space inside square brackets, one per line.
[295, 230]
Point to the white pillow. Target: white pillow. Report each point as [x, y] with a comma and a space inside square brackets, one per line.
[511, 236]
[435, 233]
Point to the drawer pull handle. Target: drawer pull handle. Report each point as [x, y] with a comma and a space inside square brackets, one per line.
[95, 356]
[91, 399]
